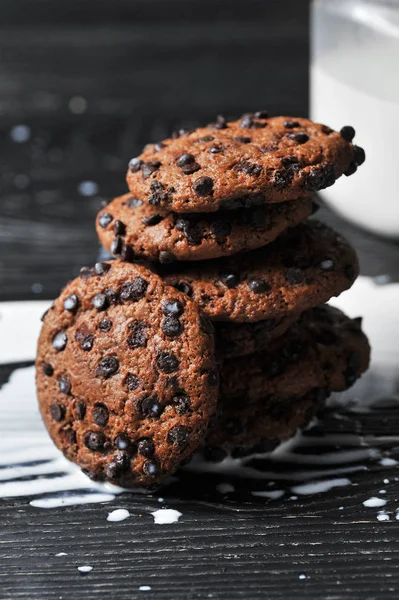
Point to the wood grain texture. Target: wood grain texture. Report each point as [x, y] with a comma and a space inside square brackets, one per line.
[144, 68]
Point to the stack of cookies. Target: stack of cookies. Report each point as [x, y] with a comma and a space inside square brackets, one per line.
[209, 330]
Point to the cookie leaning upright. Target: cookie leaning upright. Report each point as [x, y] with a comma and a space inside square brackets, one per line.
[255, 160]
[126, 374]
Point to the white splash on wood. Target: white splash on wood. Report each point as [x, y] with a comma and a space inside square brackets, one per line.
[374, 502]
[166, 516]
[120, 514]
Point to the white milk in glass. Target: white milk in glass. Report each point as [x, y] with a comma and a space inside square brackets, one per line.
[355, 81]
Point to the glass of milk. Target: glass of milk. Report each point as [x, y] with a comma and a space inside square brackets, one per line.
[354, 77]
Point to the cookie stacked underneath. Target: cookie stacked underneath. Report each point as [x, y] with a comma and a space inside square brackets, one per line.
[222, 341]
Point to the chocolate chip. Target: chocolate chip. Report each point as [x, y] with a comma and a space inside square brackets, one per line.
[214, 454]
[150, 167]
[150, 407]
[166, 258]
[229, 279]
[220, 123]
[233, 426]
[105, 325]
[258, 286]
[213, 378]
[111, 296]
[181, 132]
[246, 121]
[127, 253]
[301, 137]
[351, 170]
[100, 415]
[158, 146]
[295, 276]
[47, 369]
[71, 303]
[296, 260]
[319, 178]
[86, 272]
[216, 149]
[107, 366]
[327, 265]
[181, 403]
[206, 138]
[191, 168]
[272, 147]
[80, 410]
[168, 363]
[105, 219]
[172, 326]
[178, 436]
[60, 341]
[116, 246]
[132, 382]
[185, 159]
[283, 177]
[100, 302]
[69, 436]
[57, 411]
[134, 290]
[119, 228]
[135, 165]
[289, 124]
[151, 220]
[151, 468]
[94, 440]
[261, 114]
[203, 186]
[64, 384]
[206, 325]
[348, 133]
[133, 202]
[350, 272]
[221, 230]
[122, 441]
[138, 336]
[326, 130]
[248, 168]
[172, 307]
[86, 342]
[44, 315]
[101, 268]
[184, 287]
[146, 447]
[113, 471]
[242, 139]
[360, 155]
[158, 195]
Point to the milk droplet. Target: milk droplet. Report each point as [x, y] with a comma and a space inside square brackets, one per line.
[144, 588]
[62, 554]
[382, 516]
[272, 494]
[388, 462]
[374, 502]
[166, 516]
[85, 569]
[120, 514]
[161, 499]
[302, 576]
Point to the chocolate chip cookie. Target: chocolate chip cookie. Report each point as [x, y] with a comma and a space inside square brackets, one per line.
[127, 226]
[323, 350]
[241, 430]
[252, 161]
[304, 267]
[126, 374]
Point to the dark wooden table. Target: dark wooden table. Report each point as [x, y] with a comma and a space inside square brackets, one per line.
[142, 68]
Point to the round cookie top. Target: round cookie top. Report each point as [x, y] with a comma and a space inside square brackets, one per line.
[252, 161]
[129, 227]
[126, 374]
[325, 350]
[304, 267]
